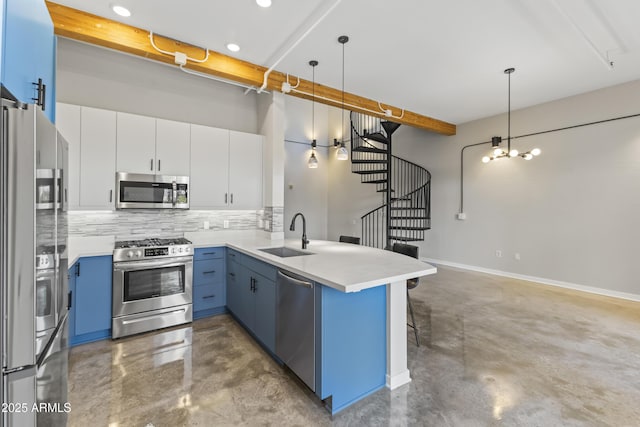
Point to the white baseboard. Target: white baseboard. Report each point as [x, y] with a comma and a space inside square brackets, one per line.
[542, 280]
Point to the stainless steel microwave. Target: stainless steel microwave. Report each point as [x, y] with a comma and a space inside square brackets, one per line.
[141, 191]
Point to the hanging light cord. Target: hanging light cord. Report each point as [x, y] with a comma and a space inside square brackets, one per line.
[343, 92]
[313, 101]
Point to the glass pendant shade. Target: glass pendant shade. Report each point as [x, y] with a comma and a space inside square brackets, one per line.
[342, 153]
[313, 161]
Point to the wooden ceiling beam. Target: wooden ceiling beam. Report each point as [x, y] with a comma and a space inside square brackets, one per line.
[77, 25]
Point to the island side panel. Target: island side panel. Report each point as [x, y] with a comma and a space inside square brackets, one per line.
[353, 344]
[397, 371]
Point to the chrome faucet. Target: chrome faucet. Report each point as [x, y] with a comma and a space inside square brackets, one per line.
[292, 227]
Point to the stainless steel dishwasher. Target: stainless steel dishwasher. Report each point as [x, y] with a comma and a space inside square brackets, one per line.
[295, 331]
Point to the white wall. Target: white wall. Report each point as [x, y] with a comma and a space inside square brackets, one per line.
[571, 213]
[306, 190]
[101, 78]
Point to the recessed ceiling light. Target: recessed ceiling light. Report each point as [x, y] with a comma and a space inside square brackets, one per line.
[121, 10]
[233, 47]
[263, 3]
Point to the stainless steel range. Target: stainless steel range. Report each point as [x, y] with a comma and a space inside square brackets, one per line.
[152, 285]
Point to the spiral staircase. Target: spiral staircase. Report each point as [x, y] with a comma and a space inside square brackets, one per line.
[405, 213]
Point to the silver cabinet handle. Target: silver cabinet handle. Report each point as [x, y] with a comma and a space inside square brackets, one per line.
[209, 296]
[158, 165]
[110, 196]
[231, 198]
[151, 165]
[225, 197]
[296, 281]
[208, 272]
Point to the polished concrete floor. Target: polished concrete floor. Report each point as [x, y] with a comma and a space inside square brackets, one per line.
[494, 351]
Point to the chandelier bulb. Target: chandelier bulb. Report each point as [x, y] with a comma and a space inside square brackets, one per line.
[497, 152]
[528, 156]
[513, 153]
[486, 159]
[536, 151]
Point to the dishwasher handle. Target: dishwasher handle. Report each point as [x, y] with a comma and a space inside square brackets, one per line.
[296, 281]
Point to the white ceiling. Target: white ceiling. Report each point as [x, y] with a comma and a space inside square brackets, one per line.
[440, 58]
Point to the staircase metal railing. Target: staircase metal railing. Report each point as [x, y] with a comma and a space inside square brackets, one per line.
[405, 212]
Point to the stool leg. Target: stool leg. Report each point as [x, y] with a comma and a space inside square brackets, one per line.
[413, 319]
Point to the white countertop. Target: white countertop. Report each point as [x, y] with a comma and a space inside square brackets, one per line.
[343, 266]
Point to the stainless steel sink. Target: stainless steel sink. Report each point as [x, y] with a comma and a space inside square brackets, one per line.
[284, 252]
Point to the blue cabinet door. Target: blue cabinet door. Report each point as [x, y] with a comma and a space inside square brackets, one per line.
[28, 51]
[72, 301]
[265, 311]
[92, 299]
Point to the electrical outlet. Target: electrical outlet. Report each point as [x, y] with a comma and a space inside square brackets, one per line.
[498, 253]
[225, 224]
[461, 216]
[207, 225]
[517, 256]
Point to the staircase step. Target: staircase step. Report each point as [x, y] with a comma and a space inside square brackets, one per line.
[384, 190]
[370, 172]
[401, 199]
[406, 239]
[408, 217]
[357, 161]
[377, 136]
[369, 150]
[405, 208]
[393, 227]
[375, 181]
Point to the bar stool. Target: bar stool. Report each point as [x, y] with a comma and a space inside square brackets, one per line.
[412, 251]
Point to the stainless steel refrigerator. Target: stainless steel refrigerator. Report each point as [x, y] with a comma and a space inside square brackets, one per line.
[33, 267]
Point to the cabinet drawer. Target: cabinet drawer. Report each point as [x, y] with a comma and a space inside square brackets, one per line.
[208, 296]
[208, 271]
[208, 253]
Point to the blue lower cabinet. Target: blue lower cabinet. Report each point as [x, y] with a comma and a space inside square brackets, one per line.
[351, 344]
[209, 291]
[265, 311]
[90, 284]
[251, 296]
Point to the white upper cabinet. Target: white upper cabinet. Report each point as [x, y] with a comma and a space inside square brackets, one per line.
[245, 170]
[97, 158]
[149, 145]
[68, 123]
[136, 144]
[209, 183]
[225, 167]
[172, 148]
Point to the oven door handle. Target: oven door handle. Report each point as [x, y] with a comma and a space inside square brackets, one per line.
[139, 265]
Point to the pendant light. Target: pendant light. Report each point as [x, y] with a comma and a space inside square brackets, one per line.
[313, 161]
[342, 153]
[496, 151]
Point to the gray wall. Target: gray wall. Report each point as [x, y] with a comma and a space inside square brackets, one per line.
[571, 213]
[101, 78]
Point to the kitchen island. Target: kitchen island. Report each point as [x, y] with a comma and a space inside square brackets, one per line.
[350, 276]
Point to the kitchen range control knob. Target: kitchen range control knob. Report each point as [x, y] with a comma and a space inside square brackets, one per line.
[181, 249]
[186, 250]
[138, 254]
[130, 254]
